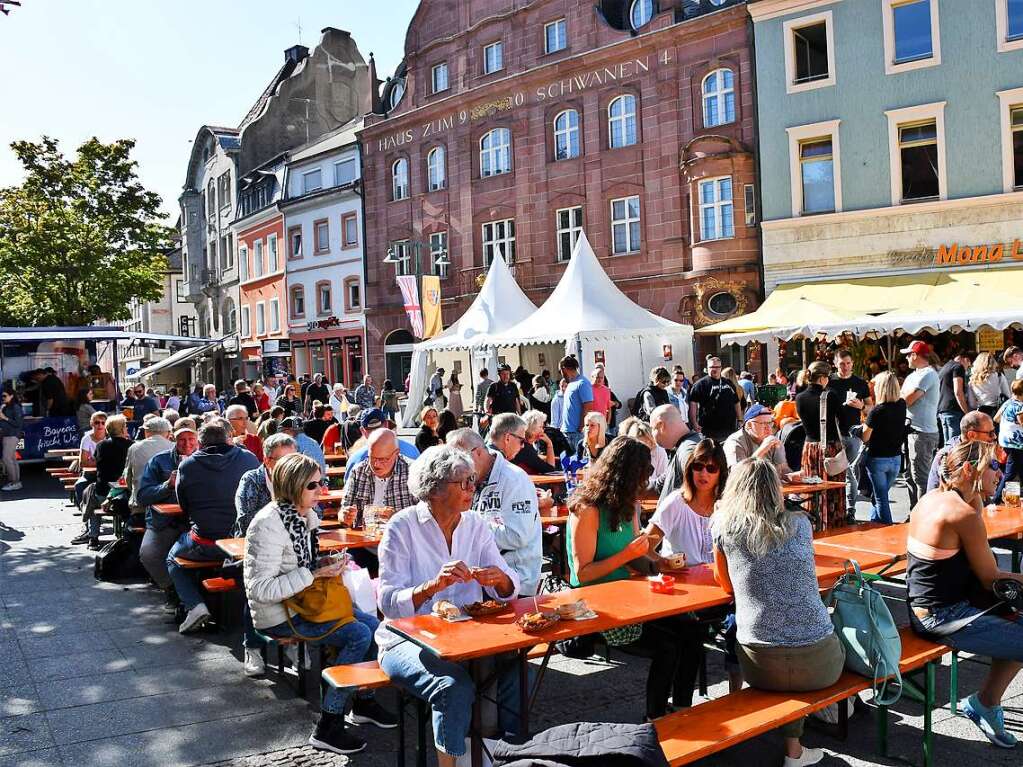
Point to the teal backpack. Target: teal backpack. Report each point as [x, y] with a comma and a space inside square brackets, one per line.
[865, 626]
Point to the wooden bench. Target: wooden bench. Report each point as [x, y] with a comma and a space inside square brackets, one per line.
[220, 585]
[692, 734]
[198, 564]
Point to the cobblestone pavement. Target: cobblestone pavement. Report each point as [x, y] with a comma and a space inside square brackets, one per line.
[94, 674]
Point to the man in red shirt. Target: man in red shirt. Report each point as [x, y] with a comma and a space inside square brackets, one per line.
[238, 415]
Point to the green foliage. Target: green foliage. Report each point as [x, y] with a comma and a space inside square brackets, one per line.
[79, 238]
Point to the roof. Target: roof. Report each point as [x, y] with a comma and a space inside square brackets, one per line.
[257, 109]
[336, 139]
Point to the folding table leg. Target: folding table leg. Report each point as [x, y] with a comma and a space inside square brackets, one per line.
[928, 707]
[402, 702]
[882, 731]
[524, 692]
[953, 683]
[422, 716]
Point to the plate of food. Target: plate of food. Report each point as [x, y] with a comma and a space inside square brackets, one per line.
[576, 611]
[535, 623]
[484, 608]
[448, 611]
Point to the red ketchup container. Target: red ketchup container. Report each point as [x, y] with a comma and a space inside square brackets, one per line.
[662, 584]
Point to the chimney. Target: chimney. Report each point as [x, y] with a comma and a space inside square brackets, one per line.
[295, 54]
[374, 86]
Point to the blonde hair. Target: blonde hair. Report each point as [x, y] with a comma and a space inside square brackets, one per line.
[751, 512]
[597, 418]
[99, 415]
[886, 387]
[290, 476]
[952, 463]
[117, 426]
[984, 367]
[427, 409]
[638, 429]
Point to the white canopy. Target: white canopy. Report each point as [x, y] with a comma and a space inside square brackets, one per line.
[179, 357]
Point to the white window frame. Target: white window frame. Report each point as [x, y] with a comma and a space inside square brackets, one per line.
[562, 36]
[888, 24]
[632, 9]
[436, 170]
[496, 152]
[492, 241]
[243, 263]
[790, 28]
[397, 92]
[567, 134]
[630, 246]
[718, 206]
[320, 310]
[1002, 29]
[399, 186]
[1006, 101]
[624, 120]
[498, 46]
[721, 96]
[350, 305]
[403, 251]
[437, 69]
[438, 239]
[293, 292]
[572, 230]
[257, 258]
[261, 318]
[800, 134]
[897, 117]
[246, 323]
[337, 173]
[273, 254]
[275, 315]
[307, 188]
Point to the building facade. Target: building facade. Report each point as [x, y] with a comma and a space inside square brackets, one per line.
[889, 131]
[510, 127]
[323, 242]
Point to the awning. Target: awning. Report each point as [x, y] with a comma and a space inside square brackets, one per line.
[88, 333]
[178, 358]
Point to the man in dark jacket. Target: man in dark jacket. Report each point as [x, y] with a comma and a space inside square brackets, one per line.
[242, 396]
[206, 485]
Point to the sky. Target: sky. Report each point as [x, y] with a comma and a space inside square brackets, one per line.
[156, 71]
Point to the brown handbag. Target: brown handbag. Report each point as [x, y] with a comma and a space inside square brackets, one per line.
[324, 601]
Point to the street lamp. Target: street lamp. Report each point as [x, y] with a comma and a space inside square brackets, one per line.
[417, 248]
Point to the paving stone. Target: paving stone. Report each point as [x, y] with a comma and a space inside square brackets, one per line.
[65, 644]
[19, 700]
[44, 669]
[24, 733]
[44, 757]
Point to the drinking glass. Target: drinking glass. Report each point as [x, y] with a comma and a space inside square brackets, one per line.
[1010, 494]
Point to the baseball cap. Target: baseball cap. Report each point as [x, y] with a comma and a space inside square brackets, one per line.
[372, 418]
[754, 410]
[504, 368]
[917, 347]
[294, 422]
[185, 429]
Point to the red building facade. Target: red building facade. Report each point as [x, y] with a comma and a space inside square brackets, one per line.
[510, 127]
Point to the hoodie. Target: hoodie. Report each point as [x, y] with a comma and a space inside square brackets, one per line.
[206, 486]
[153, 488]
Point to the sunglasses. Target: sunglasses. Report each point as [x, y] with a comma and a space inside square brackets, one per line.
[710, 468]
[312, 485]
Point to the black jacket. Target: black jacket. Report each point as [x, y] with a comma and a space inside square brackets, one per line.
[585, 744]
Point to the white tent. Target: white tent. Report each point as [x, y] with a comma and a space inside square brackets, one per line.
[500, 304]
[589, 314]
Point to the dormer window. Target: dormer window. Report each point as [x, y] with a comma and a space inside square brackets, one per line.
[397, 91]
[640, 13]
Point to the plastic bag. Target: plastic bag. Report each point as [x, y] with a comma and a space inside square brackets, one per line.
[360, 586]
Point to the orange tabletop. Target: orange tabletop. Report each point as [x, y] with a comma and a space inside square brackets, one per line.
[555, 519]
[545, 480]
[330, 540]
[330, 497]
[170, 509]
[70, 458]
[336, 458]
[803, 489]
[335, 471]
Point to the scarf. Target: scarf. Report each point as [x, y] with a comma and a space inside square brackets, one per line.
[304, 543]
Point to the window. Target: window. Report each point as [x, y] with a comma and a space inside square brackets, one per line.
[625, 233]
[1009, 24]
[321, 237]
[916, 153]
[399, 179]
[312, 181]
[260, 319]
[718, 98]
[257, 258]
[436, 170]
[817, 175]
[229, 252]
[566, 135]
[749, 205]
[495, 152]
[1011, 103]
[555, 36]
[246, 331]
[716, 209]
[911, 35]
[621, 113]
[224, 189]
[397, 91]
[295, 242]
[722, 303]
[224, 254]
[640, 13]
[271, 247]
[211, 201]
[493, 58]
[323, 298]
[402, 252]
[349, 230]
[439, 252]
[212, 255]
[179, 291]
[243, 263]
[809, 52]
[297, 301]
[570, 226]
[345, 171]
[439, 76]
[499, 240]
[275, 315]
[353, 294]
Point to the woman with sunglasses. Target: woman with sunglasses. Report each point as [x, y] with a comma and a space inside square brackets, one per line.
[291, 402]
[950, 565]
[281, 560]
[594, 437]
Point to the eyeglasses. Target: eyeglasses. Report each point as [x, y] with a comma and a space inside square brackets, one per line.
[520, 439]
[467, 484]
[315, 485]
[710, 468]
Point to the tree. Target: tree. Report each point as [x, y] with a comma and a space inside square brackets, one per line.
[79, 239]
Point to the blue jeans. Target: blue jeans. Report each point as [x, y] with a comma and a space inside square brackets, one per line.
[184, 581]
[1013, 470]
[996, 637]
[949, 423]
[450, 691]
[883, 472]
[354, 643]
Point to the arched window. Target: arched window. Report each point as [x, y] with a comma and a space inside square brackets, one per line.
[397, 91]
[297, 308]
[399, 179]
[640, 13]
[436, 170]
[718, 98]
[495, 152]
[229, 315]
[566, 135]
[621, 120]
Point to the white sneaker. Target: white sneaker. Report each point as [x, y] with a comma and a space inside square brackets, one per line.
[291, 653]
[254, 663]
[195, 619]
[809, 756]
[11, 486]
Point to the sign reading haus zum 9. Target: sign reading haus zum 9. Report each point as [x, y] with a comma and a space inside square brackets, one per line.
[623, 70]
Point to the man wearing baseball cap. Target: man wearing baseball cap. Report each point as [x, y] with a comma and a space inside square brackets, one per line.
[756, 439]
[920, 390]
[370, 420]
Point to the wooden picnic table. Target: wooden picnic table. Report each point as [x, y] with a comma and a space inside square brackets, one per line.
[330, 497]
[168, 509]
[336, 458]
[330, 540]
[335, 471]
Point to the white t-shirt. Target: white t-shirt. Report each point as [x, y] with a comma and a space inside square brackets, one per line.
[379, 489]
[659, 458]
[685, 531]
[923, 414]
[88, 445]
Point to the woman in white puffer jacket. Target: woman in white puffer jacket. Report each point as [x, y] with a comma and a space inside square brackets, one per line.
[281, 556]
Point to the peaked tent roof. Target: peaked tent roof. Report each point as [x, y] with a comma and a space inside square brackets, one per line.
[585, 302]
[499, 305]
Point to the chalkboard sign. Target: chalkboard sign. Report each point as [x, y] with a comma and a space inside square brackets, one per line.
[43, 434]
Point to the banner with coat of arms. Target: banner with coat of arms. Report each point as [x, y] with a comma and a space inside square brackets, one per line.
[432, 322]
[410, 295]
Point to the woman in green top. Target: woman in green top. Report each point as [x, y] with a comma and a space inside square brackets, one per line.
[603, 539]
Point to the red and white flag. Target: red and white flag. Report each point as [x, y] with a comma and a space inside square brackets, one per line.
[410, 294]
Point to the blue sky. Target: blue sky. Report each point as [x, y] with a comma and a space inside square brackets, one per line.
[156, 70]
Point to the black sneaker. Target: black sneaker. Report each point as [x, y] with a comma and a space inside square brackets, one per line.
[80, 539]
[368, 711]
[330, 735]
[94, 544]
[171, 602]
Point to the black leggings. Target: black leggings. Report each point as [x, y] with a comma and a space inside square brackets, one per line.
[674, 646]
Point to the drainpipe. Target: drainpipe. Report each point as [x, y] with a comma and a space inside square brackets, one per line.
[758, 186]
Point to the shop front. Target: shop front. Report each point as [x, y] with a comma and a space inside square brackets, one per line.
[331, 347]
